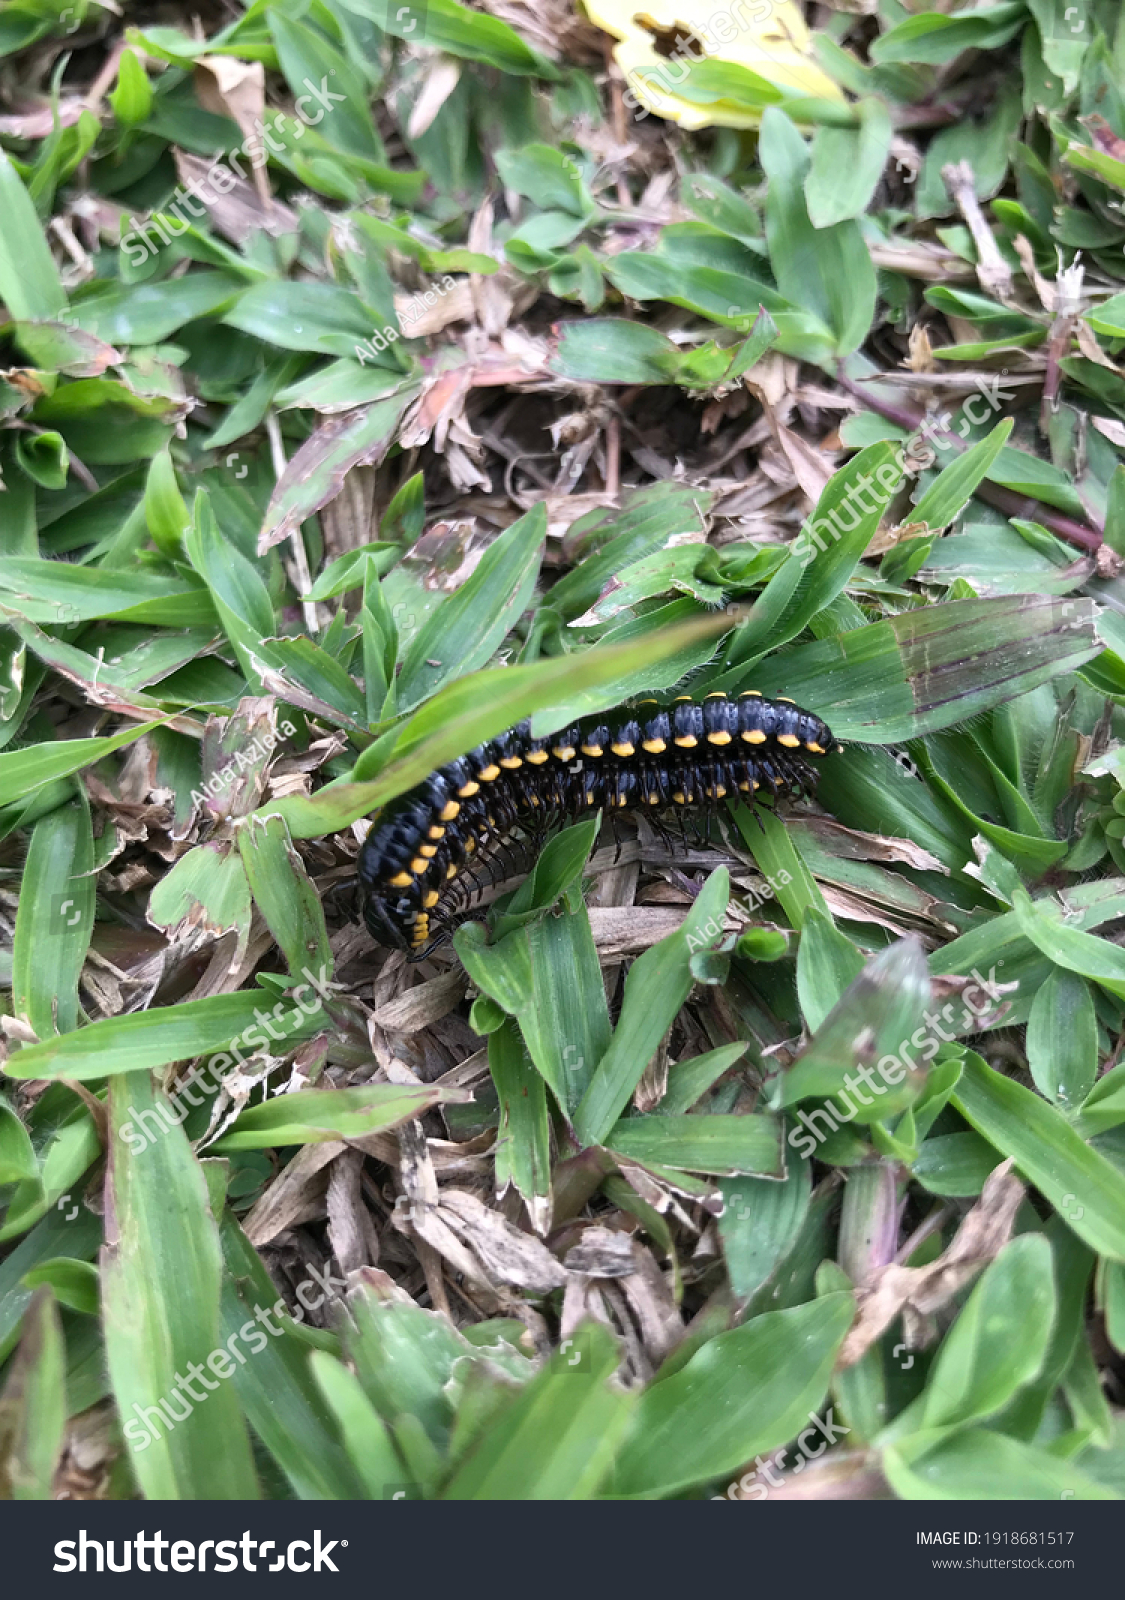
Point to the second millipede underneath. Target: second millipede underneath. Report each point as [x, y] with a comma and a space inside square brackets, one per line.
[690, 753]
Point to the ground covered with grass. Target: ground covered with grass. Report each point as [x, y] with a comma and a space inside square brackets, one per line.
[376, 377]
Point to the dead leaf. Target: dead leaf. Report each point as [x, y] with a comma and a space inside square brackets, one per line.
[231, 87]
[983, 1233]
[442, 76]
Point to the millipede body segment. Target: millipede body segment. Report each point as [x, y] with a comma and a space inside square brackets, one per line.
[417, 857]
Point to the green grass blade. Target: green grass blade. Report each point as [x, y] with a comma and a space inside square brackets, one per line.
[161, 1270]
[33, 1405]
[743, 1394]
[54, 920]
[657, 986]
[1087, 1191]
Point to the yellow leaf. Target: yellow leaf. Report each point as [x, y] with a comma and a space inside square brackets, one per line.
[659, 43]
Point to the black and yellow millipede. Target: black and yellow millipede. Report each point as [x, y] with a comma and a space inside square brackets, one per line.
[419, 854]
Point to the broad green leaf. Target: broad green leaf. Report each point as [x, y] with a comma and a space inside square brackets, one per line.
[132, 99]
[689, 1081]
[1086, 1189]
[977, 1464]
[723, 1146]
[556, 1439]
[166, 513]
[240, 596]
[30, 285]
[285, 896]
[365, 1436]
[74, 1283]
[546, 175]
[1084, 953]
[609, 540]
[847, 164]
[999, 1340]
[935, 37]
[17, 1154]
[33, 1405]
[273, 1379]
[69, 1230]
[312, 1116]
[469, 625]
[955, 485]
[322, 318]
[56, 593]
[827, 270]
[827, 962]
[342, 107]
[930, 668]
[760, 1222]
[459, 31]
[613, 350]
[741, 1395]
[1062, 1039]
[863, 1043]
[151, 1039]
[161, 1269]
[22, 772]
[54, 920]
[523, 1139]
[404, 1357]
[147, 313]
[775, 852]
[656, 987]
[955, 1164]
[823, 557]
[547, 976]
